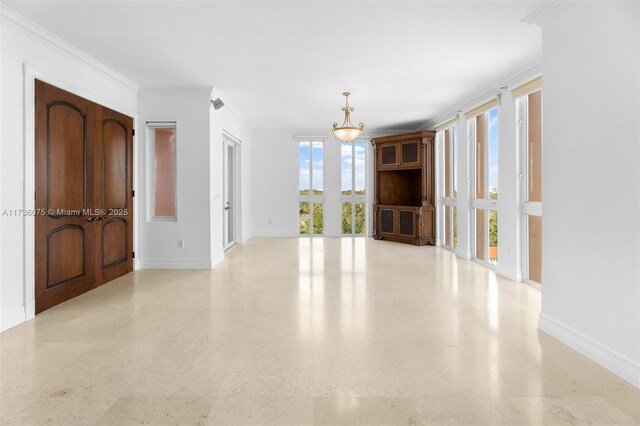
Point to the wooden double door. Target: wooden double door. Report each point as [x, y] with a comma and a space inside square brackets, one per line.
[84, 195]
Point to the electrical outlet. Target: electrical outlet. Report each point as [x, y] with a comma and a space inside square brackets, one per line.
[269, 221]
[181, 243]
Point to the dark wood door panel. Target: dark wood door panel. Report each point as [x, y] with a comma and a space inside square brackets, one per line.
[84, 172]
[66, 154]
[114, 242]
[114, 164]
[115, 176]
[65, 254]
[64, 126]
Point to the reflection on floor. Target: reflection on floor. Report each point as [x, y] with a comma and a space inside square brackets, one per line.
[303, 331]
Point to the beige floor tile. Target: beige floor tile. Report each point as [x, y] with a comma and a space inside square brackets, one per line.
[376, 332]
[269, 369]
[51, 410]
[157, 411]
[261, 411]
[571, 411]
[415, 411]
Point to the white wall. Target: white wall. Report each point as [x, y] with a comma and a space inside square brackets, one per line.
[226, 121]
[591, 225]
[274, 183]
[275, 175]
[189, 108]
[199, 147]
[60, 65]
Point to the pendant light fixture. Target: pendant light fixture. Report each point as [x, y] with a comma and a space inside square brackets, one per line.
[347, 132]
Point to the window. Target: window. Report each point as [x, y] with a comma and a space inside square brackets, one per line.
[529, 116]
[449, 187]
[310, 187]
[353, 182]
[162, 188]
[483, 129]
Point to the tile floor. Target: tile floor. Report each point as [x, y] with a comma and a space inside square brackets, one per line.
[305, 331]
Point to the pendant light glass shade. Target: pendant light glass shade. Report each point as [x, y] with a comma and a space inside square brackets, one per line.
[347, 132]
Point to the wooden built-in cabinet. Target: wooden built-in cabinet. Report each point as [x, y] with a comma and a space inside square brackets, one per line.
[404, 207]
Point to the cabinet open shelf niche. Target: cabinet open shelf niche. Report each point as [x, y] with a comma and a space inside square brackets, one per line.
[400, 188]
[404, 209]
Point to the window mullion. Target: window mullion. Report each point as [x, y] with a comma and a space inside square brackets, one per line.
[353, 187]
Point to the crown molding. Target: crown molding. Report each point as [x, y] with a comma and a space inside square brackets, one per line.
[546, 12]
[10, 17]
[494, 90]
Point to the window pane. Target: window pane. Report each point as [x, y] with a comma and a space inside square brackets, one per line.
[493, 154]
[454, 148]
[455, 226]
[447, 164]
[347, 218]
[318, 168]
[447, 226]
[304, 166]
[360, 167]
[303, 218]
[346, 161]
[535, 248]
[480, 144]
[493, 236]
[360, 219]
[481, 230]
[318, 219]
[165, 172]
[535, 147]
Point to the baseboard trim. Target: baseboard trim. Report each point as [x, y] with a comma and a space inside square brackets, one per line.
[273, 234]
[510, 273]
[215, 262]
[12, 318]
[175, 264]
[608, 359]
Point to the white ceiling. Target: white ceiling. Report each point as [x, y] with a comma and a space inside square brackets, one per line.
[285, 64]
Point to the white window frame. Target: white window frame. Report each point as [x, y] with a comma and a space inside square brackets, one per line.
[447, 201]
[527, 208]
[311, 198]
[151, 170]
[480, 203]
[353, 198]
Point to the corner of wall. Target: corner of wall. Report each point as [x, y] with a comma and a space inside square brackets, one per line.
[12, 318]
[593, 350]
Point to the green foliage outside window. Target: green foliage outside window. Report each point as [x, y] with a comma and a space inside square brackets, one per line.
[358, 227]
[493, 228]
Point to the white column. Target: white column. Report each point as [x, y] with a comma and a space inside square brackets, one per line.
[463, 201]
[509, 217]
[438, 189]
[332, 191]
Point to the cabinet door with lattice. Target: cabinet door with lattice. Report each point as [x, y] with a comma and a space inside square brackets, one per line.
[388, 156]
[387, 221]
[406, 223]
[410, 153]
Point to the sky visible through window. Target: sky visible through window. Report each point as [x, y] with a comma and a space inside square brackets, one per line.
[348, 163]
[493, 150]
[318, 169]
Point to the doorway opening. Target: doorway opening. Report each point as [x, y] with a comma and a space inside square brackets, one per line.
[230, 192]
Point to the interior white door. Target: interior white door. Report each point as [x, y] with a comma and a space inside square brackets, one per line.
[229, 194]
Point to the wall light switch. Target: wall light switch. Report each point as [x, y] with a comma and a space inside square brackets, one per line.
[181, 243]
